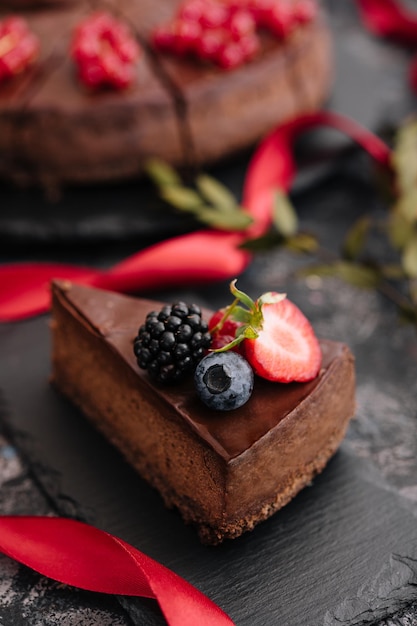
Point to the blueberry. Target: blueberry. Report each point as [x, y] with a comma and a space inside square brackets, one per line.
[224, 380]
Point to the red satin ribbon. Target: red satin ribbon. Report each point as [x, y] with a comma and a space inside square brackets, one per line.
[203, 256]
[388, 18]
[83, 556]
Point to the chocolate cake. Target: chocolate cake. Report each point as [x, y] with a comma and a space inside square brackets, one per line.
[53, 129]
[224, 472]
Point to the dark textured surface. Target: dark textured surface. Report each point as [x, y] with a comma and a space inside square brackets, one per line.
[345, 551]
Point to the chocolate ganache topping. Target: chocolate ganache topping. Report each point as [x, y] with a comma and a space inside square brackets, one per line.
[117, 319]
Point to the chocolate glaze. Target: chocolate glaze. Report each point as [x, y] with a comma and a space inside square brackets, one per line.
[116, 318]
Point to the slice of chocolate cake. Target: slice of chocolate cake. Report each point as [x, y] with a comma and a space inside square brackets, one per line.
[225, 472]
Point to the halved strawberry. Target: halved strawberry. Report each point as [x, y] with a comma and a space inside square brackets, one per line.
[286, 348]
[272, 333]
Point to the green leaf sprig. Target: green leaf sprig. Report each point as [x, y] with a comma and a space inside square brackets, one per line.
[212, 203]
[209, 201]
[397, 281]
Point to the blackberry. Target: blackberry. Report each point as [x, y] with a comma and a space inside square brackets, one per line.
[172, 341]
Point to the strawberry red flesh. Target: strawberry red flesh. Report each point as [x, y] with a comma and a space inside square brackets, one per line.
[286, 349]
[224, 335]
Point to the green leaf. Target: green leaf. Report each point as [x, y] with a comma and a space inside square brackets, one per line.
[408, 313]
[413, 291]
[358, 275]
[406, 205]
[271, 297]
[404, 159]
[235, 220]
[409, 257]
[241, 315]
[398, 230]
[181, 197]
[284, 216]
[216, 193]
[302, 242]
[269, 241]
[356, 237]
[318, 270]
[241, 295]
[161, 173]
[392, 271]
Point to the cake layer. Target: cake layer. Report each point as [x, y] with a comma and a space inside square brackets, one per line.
[224, 472]
[179, 109]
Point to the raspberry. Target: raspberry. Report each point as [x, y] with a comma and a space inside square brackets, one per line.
[19, 47]
[171, 342]
[105, 52]
[222, 332]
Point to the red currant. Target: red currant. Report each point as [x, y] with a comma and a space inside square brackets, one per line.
[163, 37]
[19, 47]
[187, 36]
[105, 52]
[231, 56]
[240, 24]
[211, 44]
[192, 10]
[305, 11]
[280, 20]
[224, 32]
[215, 15]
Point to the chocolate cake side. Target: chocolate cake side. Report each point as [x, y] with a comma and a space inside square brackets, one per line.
[224, 473]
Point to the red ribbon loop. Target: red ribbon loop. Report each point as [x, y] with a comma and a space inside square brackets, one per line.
[388, 18]
[83, 556]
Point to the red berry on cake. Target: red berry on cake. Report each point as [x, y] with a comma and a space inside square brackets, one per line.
[272, 333]
[305, 11]
[225, 32]
[19, 47]
[286, 348]
[222, 328]
[171, 342]
[105, 52]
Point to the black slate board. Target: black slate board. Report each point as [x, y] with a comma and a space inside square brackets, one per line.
[343, 552]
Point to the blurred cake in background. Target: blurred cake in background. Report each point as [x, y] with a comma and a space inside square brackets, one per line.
[90, 90]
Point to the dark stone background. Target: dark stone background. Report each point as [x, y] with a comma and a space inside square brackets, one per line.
[378, 461]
